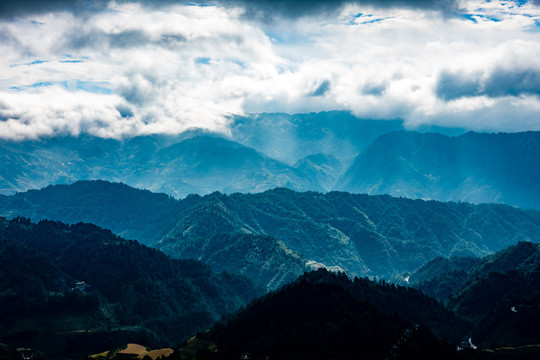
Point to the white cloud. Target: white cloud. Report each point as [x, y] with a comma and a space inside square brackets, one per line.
[130, 69]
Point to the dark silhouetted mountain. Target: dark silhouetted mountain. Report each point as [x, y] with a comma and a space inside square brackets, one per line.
[276, 231]
[513, 272]
[441, 277]
[326, 316]
[499, 293]
[499, 168]
[513, 322]
[74, 289]
[128, 212]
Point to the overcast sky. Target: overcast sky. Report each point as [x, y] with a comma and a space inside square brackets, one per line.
[124, 68]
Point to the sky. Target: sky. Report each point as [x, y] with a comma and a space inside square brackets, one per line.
[125, 68]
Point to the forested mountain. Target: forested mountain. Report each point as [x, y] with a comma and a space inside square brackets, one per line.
[327, 316]
[76, 289]
[443, 277]
[126, 211]
[274, 234]
[473, 167]
[499, 293]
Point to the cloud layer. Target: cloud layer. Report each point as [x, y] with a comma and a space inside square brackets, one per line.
[125, 68]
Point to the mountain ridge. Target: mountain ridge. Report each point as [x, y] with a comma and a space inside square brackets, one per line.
[361, 234]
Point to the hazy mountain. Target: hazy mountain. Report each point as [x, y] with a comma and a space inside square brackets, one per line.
[290, 138]
[73, 289]
[273, 235]
[318, 152]
[198, 161]
[500, 168]
[189, 163]
[205, 164]
[322, 169]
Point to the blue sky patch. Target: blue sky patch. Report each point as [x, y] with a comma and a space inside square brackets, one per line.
[36, 62]
[88, 86]
[363, 19]
[203, 60]
[374, 21]
[470, 17]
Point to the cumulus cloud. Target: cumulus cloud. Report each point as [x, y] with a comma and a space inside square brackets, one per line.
[285, 8]
[122, 68]
[500, 82]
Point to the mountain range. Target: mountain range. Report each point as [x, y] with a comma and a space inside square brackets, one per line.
[287, 237]
[473, 167]
[319, 152]
[274, 236]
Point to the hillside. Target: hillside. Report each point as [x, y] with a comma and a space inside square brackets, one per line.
[364, 235]
[325, 316]
[443, 277]
[128, 212]
[75, 289]
[499, 293]
[477, 168]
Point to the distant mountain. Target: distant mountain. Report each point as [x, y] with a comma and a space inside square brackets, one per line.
[190, 163]
[477, 168]
[322, 169]
[273, 236]
[326, 316]
[205, 164]
[290, 138]
[75, 289]
[324, 151]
